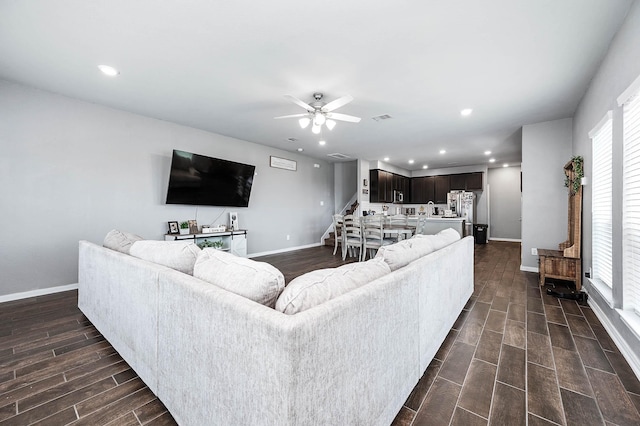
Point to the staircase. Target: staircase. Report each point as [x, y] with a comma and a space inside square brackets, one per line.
[330, 240]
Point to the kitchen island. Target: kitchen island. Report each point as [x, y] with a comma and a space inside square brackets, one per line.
[435, 224]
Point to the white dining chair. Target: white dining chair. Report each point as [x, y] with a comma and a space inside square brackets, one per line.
[351, 237]
[373, 236]
[338, 224]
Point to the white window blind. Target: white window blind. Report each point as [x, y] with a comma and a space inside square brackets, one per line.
[601, 216]
[631, 205]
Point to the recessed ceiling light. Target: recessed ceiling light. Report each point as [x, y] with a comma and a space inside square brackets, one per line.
[385, 159]
[492, 160]
[411, 161]
[300, 149]
[466, 111]
[442, 151]
[322, 142]
[425, 167]
[505, 165]
[487, 153]
[107, 70]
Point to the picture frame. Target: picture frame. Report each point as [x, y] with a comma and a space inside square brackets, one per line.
[193, 226]
[173, 228]
[283, 163]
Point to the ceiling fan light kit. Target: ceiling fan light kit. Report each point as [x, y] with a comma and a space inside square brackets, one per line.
[320, 113]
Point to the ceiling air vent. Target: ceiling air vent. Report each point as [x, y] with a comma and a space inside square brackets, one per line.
[338, 156]
[381, 117]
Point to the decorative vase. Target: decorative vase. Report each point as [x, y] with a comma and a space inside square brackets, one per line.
[184, 231]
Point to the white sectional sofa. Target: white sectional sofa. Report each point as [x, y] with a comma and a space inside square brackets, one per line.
[214, 357]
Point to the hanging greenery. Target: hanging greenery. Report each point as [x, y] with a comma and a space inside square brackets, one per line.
[578, 174]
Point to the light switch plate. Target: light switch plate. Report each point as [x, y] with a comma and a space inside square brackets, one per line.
[534, 251]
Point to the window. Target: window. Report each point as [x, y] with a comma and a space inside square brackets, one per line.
[631, 203]
[601, 217]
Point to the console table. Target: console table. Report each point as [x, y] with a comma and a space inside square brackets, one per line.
[235, 242]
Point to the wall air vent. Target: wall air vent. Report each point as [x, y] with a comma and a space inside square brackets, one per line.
[381, 117]
[338, 156]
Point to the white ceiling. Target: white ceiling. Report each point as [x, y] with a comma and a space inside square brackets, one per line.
[224, 66]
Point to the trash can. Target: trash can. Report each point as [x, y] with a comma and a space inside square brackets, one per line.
[480, 233]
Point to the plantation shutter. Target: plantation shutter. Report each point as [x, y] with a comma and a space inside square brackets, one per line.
[631, 204]
[601, 217]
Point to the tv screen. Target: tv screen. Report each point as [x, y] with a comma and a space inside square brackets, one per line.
[206, 181]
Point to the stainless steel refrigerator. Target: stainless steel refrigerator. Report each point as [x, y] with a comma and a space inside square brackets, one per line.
[462, 204]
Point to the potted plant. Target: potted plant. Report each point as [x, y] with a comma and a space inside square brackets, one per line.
[216, 244]
[184, 228]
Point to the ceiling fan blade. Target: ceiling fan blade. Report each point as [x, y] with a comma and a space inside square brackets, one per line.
[337, 103]
[300, 103]
[292, 116]
[343, 117]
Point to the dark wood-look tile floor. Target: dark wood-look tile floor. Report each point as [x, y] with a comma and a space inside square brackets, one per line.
[514, 357]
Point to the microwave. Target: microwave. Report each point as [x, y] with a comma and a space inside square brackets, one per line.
[398, 197]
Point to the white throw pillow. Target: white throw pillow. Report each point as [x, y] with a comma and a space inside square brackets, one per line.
[178, 255]
[317, 287]
[254, 280]
[445, 237]
[399, 254]
[120, 241]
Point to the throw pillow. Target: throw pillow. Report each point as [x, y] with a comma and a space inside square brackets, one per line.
[322, 285]
[399, 254]
[257, 281]
[178, 255]
[120, 241]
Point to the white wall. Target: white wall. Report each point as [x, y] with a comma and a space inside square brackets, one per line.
[617, 71]
[72, 170]
[346, 183]
[546, 148]
[505, 203]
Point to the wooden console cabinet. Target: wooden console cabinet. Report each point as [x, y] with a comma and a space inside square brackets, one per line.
[554, 264]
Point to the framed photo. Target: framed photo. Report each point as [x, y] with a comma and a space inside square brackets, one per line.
[193, 226]
[173, 228]
[283, 163]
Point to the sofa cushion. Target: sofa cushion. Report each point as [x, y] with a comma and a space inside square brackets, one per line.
[178, 255]
[442, 238]
[398, 255]
[317, 287]
[120, 241]
[257, 281]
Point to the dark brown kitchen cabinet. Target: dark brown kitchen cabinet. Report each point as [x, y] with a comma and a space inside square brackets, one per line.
[466, 181]
[383, 185]
[474, 181]
[422, 189]
[458, 182]
[441, 188]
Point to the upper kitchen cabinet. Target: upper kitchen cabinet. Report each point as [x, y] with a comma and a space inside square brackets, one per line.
[466, 181]
[441, 188]
[458, 182]
[422, 190]
[474, 181]
[383, 185]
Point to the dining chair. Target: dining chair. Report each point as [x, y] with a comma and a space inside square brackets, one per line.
[351, 236]
[373, 236]
[338, 223]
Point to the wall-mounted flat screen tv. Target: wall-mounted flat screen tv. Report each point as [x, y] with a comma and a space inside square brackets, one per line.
[206, 181]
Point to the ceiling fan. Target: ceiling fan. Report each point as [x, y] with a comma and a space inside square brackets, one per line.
[320, 113]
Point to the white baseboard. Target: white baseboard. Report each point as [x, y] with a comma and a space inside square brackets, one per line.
[529, 269]
[284, 250]
[511, 240]
[38, 292]
[629, 354]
